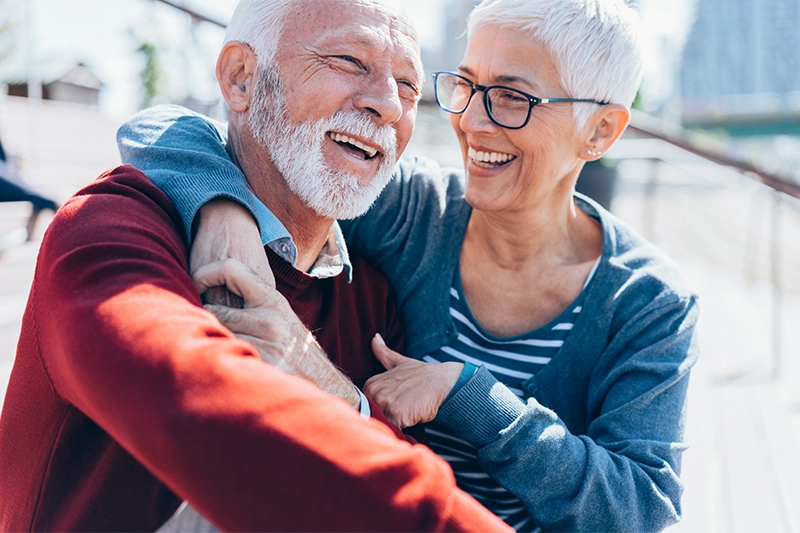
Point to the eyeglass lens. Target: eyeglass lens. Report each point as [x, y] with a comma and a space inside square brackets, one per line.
[506, 106]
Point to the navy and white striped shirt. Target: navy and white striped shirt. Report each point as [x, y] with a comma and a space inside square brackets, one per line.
[512, 361]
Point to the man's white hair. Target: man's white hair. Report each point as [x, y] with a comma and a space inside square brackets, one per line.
[593, 43]
[259, 23]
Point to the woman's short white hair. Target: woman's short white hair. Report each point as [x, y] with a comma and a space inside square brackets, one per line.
[593, 43]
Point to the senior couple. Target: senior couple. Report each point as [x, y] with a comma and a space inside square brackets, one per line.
[547, 346]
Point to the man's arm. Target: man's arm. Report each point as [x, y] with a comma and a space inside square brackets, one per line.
[124, 340]
[267, 321]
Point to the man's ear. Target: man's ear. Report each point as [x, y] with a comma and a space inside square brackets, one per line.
[236, 75]
[605, 127]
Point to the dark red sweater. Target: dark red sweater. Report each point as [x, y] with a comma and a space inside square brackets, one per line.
[343, 316]
[127, 396]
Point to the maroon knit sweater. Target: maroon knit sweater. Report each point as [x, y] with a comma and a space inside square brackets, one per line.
[127, 396]
[343, 316]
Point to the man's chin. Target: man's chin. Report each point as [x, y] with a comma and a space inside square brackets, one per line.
[345, 204]
[343, 161]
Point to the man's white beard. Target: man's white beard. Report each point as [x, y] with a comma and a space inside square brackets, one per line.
[296, 151]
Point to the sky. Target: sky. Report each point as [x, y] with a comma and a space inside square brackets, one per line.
[105, 34]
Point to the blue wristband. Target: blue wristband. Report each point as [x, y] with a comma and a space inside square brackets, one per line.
[466, 373]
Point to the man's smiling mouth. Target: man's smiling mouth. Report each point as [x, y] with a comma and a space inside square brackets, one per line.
[354, 145]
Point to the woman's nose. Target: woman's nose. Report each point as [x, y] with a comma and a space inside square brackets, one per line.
[476, 117]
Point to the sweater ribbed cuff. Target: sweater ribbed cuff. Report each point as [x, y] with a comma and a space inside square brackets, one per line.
[481, 409]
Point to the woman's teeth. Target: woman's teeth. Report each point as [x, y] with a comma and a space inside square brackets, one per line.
[489, 159]
[369, 152]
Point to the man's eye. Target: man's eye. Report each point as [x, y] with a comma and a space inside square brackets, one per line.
[407, 90]
[350, 59]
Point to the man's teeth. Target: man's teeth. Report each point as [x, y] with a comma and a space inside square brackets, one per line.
[339, 138]
[489, 157]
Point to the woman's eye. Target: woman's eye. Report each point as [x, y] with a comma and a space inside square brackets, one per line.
[509, 97]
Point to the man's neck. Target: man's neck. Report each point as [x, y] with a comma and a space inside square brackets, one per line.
[308, 230]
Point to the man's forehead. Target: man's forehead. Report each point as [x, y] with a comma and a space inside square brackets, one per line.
[325, 17]
[365, 23]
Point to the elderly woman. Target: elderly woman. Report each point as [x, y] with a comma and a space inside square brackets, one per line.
[564, 339]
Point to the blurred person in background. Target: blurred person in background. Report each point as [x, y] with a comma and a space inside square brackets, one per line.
[127, 397]
[549, 345]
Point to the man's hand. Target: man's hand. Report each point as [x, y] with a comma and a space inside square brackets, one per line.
[268, 322]
[225, 230]
[410, 391]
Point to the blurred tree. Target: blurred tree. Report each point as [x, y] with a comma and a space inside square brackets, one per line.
[152, 75]
[637, 101]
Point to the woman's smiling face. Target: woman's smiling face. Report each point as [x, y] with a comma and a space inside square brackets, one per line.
[514, 170]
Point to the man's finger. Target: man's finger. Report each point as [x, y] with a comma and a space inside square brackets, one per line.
[388, 357]
[260, 323]
[234, 275]
[222, 296]
[236, 320]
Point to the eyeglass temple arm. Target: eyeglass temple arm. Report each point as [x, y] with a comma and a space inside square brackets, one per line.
[588, 100]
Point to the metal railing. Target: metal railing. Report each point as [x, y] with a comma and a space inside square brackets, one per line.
[646, 126]
[194, 14]
[650, 127]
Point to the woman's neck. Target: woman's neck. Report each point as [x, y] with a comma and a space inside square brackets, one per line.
[555, 232]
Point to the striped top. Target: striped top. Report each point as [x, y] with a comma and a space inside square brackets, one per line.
[512, 361]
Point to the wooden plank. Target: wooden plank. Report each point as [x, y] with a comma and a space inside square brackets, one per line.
[753, 498]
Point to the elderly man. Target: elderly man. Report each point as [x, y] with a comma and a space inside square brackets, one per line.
[127, 397]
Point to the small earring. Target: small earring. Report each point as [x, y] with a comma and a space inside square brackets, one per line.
[593, 153]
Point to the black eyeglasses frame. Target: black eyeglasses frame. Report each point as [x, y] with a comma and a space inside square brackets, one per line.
[533, 101]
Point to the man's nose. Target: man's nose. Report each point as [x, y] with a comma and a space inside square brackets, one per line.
[380, 98]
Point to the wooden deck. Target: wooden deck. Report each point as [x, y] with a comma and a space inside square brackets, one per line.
[742, 469]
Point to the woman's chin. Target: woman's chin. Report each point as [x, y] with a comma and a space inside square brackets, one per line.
[482, 199]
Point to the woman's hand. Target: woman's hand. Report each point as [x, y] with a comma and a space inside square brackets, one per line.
[226, 230]
[410, 391]
[268, 322]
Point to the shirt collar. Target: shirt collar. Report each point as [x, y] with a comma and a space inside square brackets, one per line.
[332, 259]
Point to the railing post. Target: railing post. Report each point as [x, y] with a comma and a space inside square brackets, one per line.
[650, 199]
[775, 275]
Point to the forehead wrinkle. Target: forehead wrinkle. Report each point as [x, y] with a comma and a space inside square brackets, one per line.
[502, 79]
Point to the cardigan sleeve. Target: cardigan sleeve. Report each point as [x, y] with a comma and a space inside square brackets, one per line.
[125, 340]
[184, 154]
[623, 473]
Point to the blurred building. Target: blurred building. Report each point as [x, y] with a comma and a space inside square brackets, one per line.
[741, 68]
[454, 42]
[76, 84]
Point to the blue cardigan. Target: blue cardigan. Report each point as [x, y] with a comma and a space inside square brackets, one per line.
[596, 445]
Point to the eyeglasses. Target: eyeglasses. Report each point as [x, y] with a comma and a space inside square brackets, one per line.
[505, 106]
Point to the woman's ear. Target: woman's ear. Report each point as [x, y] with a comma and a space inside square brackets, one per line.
[605, 127]
[236, 74]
